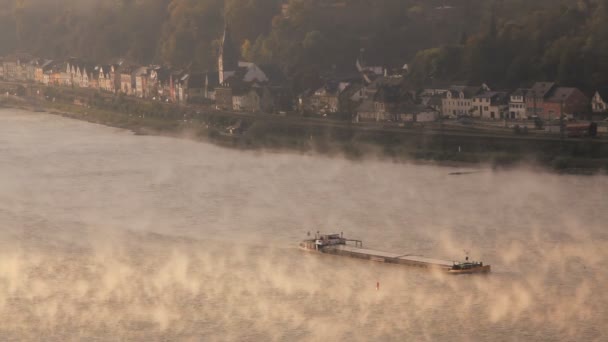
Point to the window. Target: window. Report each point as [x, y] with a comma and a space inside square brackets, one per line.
[485, 108]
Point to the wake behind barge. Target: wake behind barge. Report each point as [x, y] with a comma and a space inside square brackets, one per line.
[336, 244]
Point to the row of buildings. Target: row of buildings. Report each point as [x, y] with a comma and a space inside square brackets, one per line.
[544, 100]
[389, 98]
[364, 92]
[119, 77]
[236, 85]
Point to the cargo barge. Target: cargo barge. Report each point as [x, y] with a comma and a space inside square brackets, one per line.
[336, 244]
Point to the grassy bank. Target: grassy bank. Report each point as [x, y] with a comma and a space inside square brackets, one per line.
[327, 137]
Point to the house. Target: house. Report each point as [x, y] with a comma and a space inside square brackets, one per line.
[356, 92]
[85, 77]
[390, 103]
[73, 72]
[181, 87]
[367, 112]
[90, 77]
[14, 67]
[49, 73]
[417, 113]
[599, 102]
[459, 100]
[240, 99]
[177, 86]
[351, 97]
[323, 100]
[11, 68]
[432, 96]
[104, 78]
[255, 99]
[189, 84]
[517, 104]
[247, 77]
[40, 70]
[30, 69]
[127, 80]
[160, 83]
[223, 97]
[570, 102]
[536, 96]
[406, 112]
[490, 105]
[369, 90]
[427, 94]
[431, 91]
[62, 74]
[46, 78]
[141, 82]
[387, 100]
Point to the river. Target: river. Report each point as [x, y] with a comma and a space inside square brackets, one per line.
[106, 235]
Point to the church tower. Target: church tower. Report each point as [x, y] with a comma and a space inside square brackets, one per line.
[228, 59]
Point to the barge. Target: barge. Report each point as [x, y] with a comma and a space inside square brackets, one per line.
[336, 244]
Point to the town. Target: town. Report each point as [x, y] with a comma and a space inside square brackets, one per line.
[357, 93]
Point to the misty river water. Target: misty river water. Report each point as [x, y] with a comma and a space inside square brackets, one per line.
[106, 235]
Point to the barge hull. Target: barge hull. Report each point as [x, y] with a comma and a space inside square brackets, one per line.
[337, 245]
[389, 258]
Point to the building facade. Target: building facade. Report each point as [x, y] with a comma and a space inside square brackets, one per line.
[458, 100]
[517, 104]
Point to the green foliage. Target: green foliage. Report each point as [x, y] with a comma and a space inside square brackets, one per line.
[505, 42]
[189, 32]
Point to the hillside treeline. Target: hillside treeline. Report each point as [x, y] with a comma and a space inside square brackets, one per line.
[502, 42]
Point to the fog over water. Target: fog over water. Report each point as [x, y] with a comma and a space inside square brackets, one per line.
[110, 236]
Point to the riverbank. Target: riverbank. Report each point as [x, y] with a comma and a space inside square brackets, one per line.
[274, 133]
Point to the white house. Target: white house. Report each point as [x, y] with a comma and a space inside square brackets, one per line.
[490, 105]
[517, 104]
[459, 100]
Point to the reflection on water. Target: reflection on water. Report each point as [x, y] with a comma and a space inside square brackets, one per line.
[107, 236]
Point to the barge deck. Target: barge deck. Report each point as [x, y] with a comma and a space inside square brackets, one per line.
[337, 245]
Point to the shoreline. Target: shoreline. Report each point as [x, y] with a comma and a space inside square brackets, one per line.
[275, 137]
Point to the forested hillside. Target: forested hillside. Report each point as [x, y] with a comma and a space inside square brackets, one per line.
[504, 42]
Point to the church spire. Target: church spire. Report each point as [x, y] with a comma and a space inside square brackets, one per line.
[228, 60]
